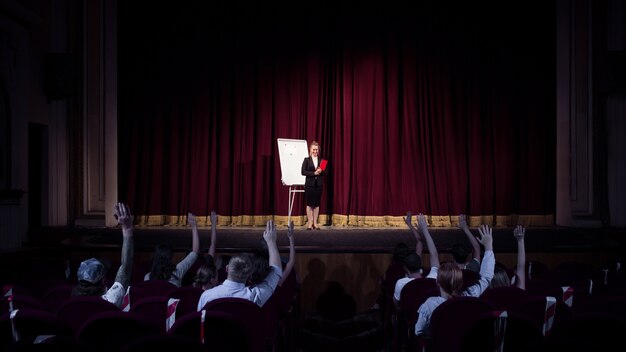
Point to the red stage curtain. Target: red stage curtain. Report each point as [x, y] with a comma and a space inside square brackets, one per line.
[431, 110]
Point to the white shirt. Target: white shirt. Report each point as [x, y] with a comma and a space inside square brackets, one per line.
[258, 294]
[405, 280]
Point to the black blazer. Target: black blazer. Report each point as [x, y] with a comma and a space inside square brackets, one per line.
[308, 170]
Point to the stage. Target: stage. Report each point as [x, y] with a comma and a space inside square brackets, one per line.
[341, 239]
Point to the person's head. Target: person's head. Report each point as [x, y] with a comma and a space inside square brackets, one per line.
[500, 277]
[400, 251]
[162, 262]
[450, 278]
[206, 276]
[314, 149]
[260, 262]
[91, 278]
[240, 267]
[413, 263]
[460, 253]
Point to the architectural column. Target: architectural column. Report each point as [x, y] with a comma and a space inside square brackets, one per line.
[575, 203]
[99, 115]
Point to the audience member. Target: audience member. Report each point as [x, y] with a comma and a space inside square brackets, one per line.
[210, 256]
[260, 265]
[92, 272]
[450, 281]
[413, 261]
[206, 276]
[292, 255]
[220, 261]
[163, 267]
[501, 275]
[396, 267]
[460, 252]
[240, 268]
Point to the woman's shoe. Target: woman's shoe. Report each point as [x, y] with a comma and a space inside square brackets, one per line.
[316, 227]
[309, 228]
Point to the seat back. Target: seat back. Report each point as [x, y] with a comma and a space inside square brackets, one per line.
[541, 287]
[57, 295]
[163, 342]
[150, 288]
[500, 331]
[18, 301]
[413, 294]
[189, 297]
[188, 325]
[110, 331]
[503, 298]
[251, 317]
[40, 287]
[160, 310]
[535, 269]
[220, 331]
[452, 318]
[28, 324]
[78, 309]
[534, 308]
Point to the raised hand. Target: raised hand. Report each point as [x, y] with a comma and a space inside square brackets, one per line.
[269, 235]
[213, 218]
[422, 222]
[270, 232]
[191, 219]
[486, 238]
[462, 222]
[213, 245]
[408, 220]
[290, 230]
[519, 232]
[123, 216]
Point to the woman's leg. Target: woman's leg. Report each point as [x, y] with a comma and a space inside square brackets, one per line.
[309, 216]
[316, 213]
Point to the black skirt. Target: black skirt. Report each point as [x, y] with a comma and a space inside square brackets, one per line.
[313, 196]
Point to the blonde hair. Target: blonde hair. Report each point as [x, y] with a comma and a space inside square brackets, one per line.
[240, 268]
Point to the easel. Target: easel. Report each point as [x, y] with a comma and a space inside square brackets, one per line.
[292, 194]
[291, 153]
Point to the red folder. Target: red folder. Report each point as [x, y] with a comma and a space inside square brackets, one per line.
[323, 164]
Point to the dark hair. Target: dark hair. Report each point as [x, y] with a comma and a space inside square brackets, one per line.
[205, 273]
[86, 288]
[400, 251]
[413, 263]
[260, 263]
[500, 277]
[162, 264]
[460, 253]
